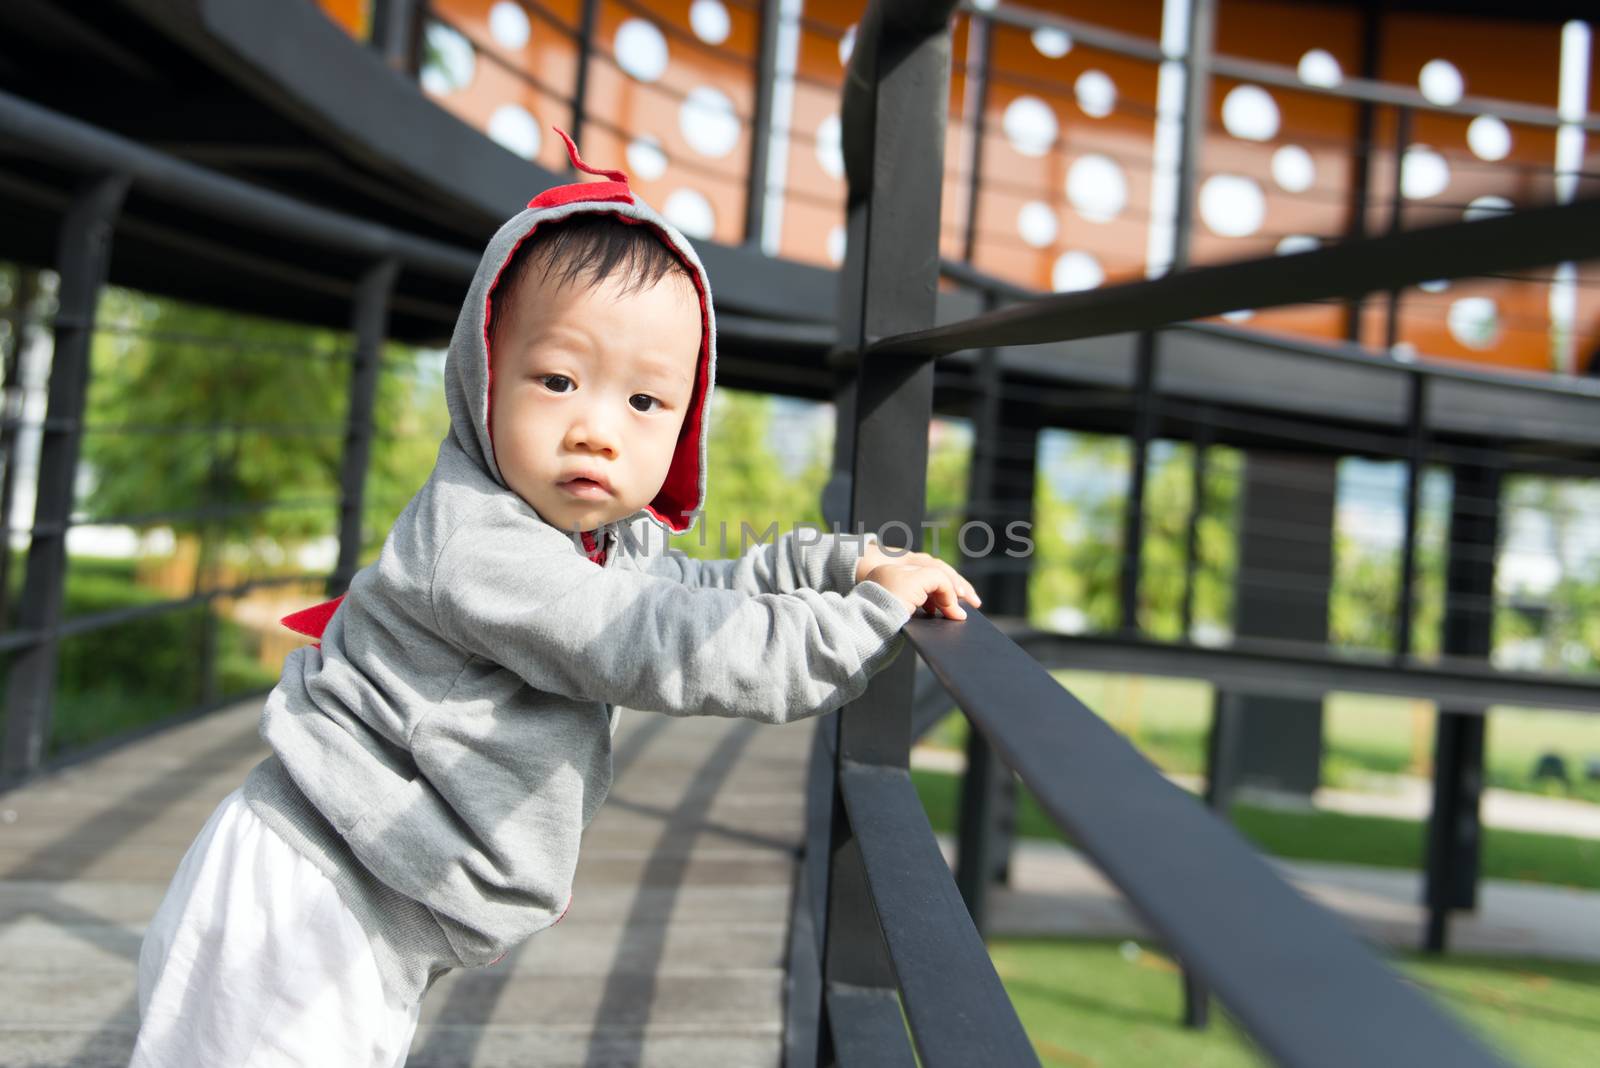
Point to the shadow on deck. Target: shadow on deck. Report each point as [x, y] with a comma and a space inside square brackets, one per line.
[672, 953]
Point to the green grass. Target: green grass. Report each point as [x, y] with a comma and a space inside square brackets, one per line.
[1364, 734]
[1094, 1003]
[1327, 836]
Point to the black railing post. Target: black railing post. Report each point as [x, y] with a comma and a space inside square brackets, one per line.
[1402, 141]
[1200, 471]
[370, 320]
[1144, 424]
[1450, 881]
[83, 255]
[1362, 161]
[18, 315]
[397, 33]
[895, 105]
[580, 91]
[1416, 455]
[980, 47]
[988, 794]
[755, 205]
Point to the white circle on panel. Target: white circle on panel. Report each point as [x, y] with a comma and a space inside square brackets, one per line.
[1438, 285]
[709, 20]
[830, 146]
[1489, 207]
[1232, 206]
[641, 50]
[1097, 188]
[1037, 224]
[1250, 113]
[1096, 93]
[1030, 125]
[1319, 68]
[1404, 351]
[708, 122]
[1423, 173]
[1474, 322]
[1294, 243]
[1489, 138]
[450, 61]
[512, 127]
[985, 5]
[1074, 271]
[1293, 169]
[690, 212]
[1239, 315]
[837, 239]
[646, 159]
[847, 45]
[509, 24]
[1440, 82]
[1051, 42]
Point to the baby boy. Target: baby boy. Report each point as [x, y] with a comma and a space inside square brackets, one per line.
[437, 757]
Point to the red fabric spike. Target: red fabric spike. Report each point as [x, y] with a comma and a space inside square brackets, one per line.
[615, 189]
[314, 620]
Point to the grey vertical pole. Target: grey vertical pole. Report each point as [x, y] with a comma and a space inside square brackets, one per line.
[755, 204]
[895, 107]
[1451, 877]
[580, 92]
[1144, 425]
[370, 317]
[83, 256]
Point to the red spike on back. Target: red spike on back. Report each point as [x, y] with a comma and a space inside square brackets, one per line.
[314, 620]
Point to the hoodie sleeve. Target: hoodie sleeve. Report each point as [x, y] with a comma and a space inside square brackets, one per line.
[811, 560]
[649, 642]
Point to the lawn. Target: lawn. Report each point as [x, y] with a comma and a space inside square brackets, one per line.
[1365, 735]
[1328, 836]
[1094, 1003]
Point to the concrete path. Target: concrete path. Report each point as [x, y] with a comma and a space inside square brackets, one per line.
[1056, 891]
[671, 955]
[1400, 797]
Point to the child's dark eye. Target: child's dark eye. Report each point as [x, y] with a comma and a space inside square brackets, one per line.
[648, 401]
[556, 383]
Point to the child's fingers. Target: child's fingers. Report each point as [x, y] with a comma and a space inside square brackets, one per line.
[942, 595]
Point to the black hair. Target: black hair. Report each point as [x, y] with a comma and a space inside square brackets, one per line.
[585, 249]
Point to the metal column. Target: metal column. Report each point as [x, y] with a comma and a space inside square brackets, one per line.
[1451, 880]
[895, 114]
[370, 323]
[83, 255]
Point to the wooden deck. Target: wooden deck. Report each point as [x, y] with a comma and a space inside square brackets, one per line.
[672, 953]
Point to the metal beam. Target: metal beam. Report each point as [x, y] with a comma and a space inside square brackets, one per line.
[369, 315]
[1535, 237]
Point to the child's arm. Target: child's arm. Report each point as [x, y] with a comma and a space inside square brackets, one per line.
[804, 559]
[644, 641]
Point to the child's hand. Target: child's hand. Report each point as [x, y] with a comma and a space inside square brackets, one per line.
[923, 581]
[873, 556]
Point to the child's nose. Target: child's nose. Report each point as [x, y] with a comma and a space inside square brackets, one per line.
[594, 433]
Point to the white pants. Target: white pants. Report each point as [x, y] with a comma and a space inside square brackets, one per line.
[253, 960]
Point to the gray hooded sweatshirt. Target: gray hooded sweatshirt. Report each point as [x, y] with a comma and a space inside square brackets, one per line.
[439, 755]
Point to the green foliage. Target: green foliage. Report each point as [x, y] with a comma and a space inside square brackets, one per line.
[191, 405]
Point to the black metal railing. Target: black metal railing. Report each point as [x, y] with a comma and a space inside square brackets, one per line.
[892, 934]
[111, 169]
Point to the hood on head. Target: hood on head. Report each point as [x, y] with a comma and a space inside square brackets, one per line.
[468, 370]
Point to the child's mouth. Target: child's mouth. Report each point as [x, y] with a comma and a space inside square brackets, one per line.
[584, 487]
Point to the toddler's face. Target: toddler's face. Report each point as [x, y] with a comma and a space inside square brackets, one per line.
[590, 391]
